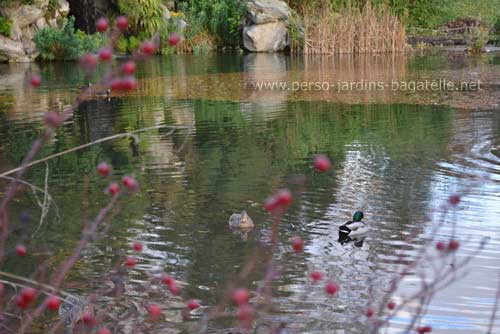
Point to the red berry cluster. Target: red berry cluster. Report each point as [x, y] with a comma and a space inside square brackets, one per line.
[281, 200]
[26, 297]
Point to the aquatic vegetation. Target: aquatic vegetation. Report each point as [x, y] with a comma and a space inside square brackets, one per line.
[371, 29]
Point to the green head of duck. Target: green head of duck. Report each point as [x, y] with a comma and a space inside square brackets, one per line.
[358, 215]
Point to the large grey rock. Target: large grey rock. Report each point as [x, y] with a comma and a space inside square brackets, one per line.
[267, 11]
[269, 37]
[11, 50]
[24, 15]
[266, 26]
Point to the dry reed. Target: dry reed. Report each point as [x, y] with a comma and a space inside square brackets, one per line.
[372, 29]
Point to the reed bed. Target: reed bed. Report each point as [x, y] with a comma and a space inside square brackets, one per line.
[373, 29]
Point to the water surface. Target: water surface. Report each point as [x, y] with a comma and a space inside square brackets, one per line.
[396, 156]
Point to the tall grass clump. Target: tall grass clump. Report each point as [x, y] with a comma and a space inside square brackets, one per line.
[351, 30]
[221, 19]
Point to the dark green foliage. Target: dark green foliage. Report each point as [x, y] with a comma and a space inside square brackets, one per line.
[496, 32]
[145, 16]
[5, 26]
[53, 6]
[220, 18]
[66, 43]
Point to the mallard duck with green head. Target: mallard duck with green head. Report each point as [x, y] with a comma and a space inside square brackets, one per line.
[354, 228]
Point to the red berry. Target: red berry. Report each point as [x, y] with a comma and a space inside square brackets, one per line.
[297, 244]
[129, 67]
[391, 305]
[104, 331]
[105, 54]
[20, 302]
[88, 60]
[284, 197]
[21, 250]
[245, 313]
[104, 169]
[167, 280]
[116, 84]
[424, 329]
[316, 276]
[122, 22]
[128, 84]
[148, 48]
[130, 183]
[241, 296]
[53, 303]
[322, 163]
[453, 245]
[137, 246]
[440, 246]
[193, 304]
[331, 288]
[28, 295]
[154, 311]
[130, 262]
[35, 80]
[113, 188]
[174, 39]
[370, 312]
[454, 199]
[174, 288]
[53, 119]
[271, 204]
[89, 319]
[102, 24]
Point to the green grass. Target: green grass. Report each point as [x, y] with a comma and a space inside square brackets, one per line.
[486, 10]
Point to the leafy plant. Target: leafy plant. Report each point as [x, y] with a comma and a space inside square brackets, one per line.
[220, 18]
[145, 16]
[53, 6]
[5, 26]
[122, 44]
[133, 43]
[66, 43]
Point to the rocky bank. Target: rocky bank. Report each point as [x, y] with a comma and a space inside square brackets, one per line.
[25, 20]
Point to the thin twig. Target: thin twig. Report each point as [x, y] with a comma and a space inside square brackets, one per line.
[495, 309]
[58, 277]
[98, 141]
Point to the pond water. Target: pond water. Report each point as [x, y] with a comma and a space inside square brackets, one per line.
[396, 155]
